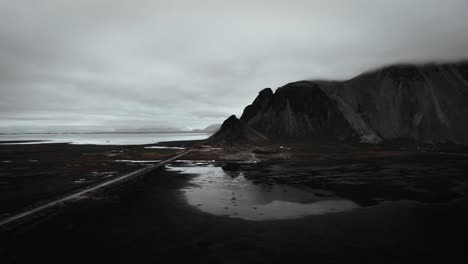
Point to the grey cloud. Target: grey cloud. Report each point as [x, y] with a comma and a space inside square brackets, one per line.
[188, 64]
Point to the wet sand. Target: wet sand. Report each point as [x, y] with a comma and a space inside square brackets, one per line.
[411, 209]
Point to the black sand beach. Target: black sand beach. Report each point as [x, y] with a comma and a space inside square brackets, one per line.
[411, 209]
[237, 132]
[32, 173]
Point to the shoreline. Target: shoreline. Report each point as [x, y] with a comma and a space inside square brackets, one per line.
[149, 219]
[76, 195]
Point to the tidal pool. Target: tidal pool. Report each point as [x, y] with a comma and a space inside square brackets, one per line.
[218, 192]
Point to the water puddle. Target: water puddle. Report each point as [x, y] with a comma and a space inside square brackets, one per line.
[163, 147]
[217, 192]
[138, 161]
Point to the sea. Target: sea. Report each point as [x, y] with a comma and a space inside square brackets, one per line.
[99, 138]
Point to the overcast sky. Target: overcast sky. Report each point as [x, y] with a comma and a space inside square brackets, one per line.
[82, 64]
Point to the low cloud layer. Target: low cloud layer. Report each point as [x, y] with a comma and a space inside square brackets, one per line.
[116, 64]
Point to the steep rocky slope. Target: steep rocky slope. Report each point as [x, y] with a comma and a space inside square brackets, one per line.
[427, 103]
[297, 110]
[234, 132]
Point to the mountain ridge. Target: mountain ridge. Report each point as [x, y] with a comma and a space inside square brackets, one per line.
[234, 133]
[426, 103]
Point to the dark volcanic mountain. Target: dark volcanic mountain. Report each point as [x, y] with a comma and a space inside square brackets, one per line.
[234, 132]
[427, 103]
[297, 110]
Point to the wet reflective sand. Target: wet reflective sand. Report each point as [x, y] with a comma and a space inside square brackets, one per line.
[289, 190]
[215, 192]
[408, 210]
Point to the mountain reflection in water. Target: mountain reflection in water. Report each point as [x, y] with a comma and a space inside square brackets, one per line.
[220, 192]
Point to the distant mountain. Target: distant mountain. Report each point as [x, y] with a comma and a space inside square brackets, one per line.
[426, 103]
[208, 129]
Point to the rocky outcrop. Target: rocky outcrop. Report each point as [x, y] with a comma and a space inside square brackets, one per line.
[427, 103]
[297, 110]
[260, 104]
[234, 133]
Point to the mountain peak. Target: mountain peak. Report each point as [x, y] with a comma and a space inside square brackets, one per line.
[426, 103]
[263, 99]
[234, 132]
[299, 109]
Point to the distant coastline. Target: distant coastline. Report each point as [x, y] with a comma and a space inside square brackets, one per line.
[101, 138]
[92, 133]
